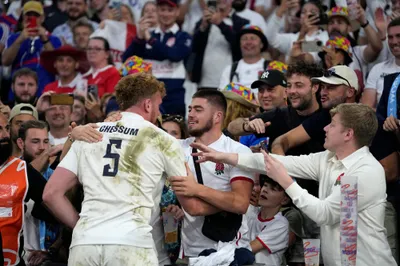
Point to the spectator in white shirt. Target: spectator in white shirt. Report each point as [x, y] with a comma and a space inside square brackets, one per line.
[59, 118]
[248, 69]
[76, 11]
[255, 18]
[348, 136]
[224, 187]
[374, 86]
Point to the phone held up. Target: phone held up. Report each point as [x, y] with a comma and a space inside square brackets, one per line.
[94, 90]
[264, 145]
[62, 99]
[212, 4]
[312, 46]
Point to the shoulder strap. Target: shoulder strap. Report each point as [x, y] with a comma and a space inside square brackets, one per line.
[266, 63]
[197, 167]
[233, 70]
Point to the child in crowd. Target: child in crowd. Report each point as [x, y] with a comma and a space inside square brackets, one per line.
[268, 228]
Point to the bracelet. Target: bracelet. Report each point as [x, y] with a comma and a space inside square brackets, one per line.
[365, 25]
[70, 138]
[44, 42]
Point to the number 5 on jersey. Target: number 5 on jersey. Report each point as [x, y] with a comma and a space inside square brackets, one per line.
[107, 170]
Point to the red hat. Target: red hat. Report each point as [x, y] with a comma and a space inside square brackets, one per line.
[47, 58]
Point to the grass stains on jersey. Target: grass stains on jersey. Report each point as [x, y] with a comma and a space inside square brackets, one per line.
[147, 137]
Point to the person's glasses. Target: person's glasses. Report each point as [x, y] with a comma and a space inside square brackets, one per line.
[331, 73]
[175, 118]
[94, 49]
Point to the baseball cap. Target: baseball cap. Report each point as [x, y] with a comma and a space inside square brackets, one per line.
[173, 3]
[271, 78]
[23, 108]
[339, 75]
[33, 6]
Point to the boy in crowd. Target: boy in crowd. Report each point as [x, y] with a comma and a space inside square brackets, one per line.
[269, 231]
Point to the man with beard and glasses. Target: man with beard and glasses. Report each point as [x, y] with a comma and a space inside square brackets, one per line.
[77, 11]
[339, 23]
[255, 18]
[24, 86]
[19, 183]
[224, 187]
[33, 140]
[20, 114]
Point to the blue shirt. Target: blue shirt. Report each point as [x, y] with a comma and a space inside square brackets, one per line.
[30, 58]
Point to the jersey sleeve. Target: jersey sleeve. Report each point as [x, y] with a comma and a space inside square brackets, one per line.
[275, 236]
[237, 173]
[373, 77]
[70, 161]
[174, 159]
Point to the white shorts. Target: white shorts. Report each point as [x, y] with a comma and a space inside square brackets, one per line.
[112, 255]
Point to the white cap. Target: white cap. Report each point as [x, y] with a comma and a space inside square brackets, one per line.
[339, 75]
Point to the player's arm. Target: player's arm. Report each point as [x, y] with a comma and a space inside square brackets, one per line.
[289, 140]
[54, 197]
[237, 200]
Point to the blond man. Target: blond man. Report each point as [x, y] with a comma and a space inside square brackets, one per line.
[347, 139]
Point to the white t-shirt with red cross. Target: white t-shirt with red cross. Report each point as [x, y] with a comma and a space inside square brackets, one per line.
[273, 234]
[217, 176]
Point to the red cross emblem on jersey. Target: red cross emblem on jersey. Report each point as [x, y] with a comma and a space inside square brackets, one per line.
[219, 168]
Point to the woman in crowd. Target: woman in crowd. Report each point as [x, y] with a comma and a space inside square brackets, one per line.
[149, 12]
[240, 102]
[102, 73]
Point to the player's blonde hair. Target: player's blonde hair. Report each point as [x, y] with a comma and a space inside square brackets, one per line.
[360, 118]
[134, 88]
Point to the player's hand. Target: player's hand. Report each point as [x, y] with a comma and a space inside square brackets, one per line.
[257, 126]
[87, 133]
[391, 124]
[114, 117]
[176, 211]
[276, 170]
[184, 185]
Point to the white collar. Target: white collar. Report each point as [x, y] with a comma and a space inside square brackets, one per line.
[73, 83]
[91, 72]
[174, 29]
[351, 159]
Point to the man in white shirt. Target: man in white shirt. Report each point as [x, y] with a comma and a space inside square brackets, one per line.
[224, 187]
[248, 69]
[59, 118]
[374, 86]
[121, 177]
[348, 136]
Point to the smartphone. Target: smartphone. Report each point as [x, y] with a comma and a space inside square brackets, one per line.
[264, 145]
[212, 4]
[32, 22]
[312, 46]
[61, 99]
[322, 19]
[117, 6]
[94, 90]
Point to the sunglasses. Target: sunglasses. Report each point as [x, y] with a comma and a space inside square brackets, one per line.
[331, 73]
[174, 118]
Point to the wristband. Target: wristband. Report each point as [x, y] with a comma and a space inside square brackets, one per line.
[365, 25]
[70, 138]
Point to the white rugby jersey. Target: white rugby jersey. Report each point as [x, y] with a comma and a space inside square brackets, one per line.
[218, 177]
[273, 234]
[121, 178]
